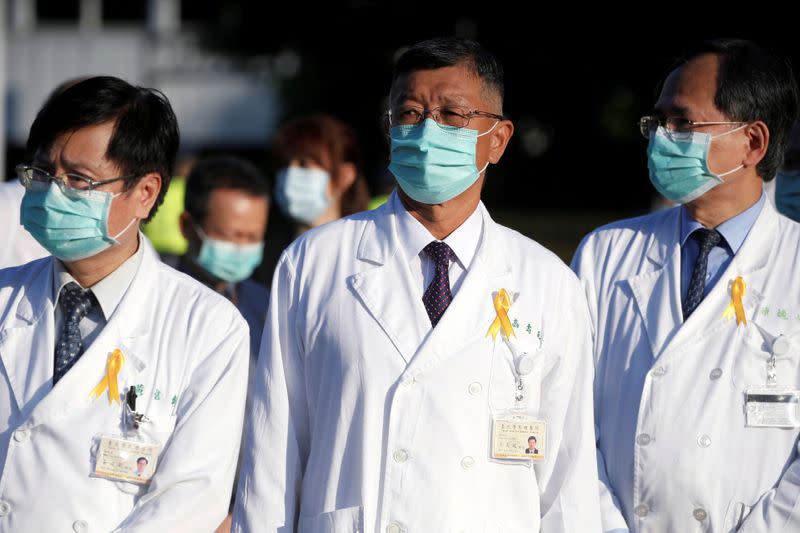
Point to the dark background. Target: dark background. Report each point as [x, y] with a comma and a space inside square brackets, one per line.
[577, 80]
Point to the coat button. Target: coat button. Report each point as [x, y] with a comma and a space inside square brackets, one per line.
[408, 381]
[700, 514]
[394, 527]
[641, 510]
[5, 508]
[781, 346]
[80, 526]
[643, 439]
[658, 371]
[21, 435]
[401, 456]
[704, 441]
[467, 462]
[716, 373]
[475, 388]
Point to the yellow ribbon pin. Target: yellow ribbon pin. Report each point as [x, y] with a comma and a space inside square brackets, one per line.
[736, 307]
[501, 304]
[109, 381]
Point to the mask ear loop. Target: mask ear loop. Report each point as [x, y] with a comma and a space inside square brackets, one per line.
[722, 135]
[126, 228]
[481, 171]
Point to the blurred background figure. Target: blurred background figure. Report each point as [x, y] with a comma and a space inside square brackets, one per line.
[784, 190]
[320, 179]
[17, 246]
[224, 222]
[164, 229]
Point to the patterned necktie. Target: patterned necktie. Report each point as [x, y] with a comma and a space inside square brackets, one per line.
[75, 303]
[437, 296]
[707, 239]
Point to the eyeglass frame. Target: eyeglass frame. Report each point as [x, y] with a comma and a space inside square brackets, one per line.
[424, 112]
[688, 124]
[23, 170]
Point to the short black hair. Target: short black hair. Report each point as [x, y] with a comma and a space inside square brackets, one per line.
[221, 172]
[754, 83]
[145, 137]
[531, 438]
[142, 459]
[449, 51]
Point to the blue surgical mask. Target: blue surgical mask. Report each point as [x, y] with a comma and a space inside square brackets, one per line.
[71, 225]
[434, 163]
[302, 193]
[678, 164]
[227, 260]
[787, 193]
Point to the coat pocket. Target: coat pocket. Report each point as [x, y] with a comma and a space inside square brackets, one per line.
[349, 520]
[734, 516]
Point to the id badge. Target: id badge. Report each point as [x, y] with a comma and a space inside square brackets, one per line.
[772, 407]
[128, 459]
[517, 435]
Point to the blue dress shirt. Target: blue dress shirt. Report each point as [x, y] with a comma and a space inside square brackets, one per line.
[734, 231]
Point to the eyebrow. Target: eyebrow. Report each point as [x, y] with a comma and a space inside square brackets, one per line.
[77, 167]
[671, 110]
[444, 98]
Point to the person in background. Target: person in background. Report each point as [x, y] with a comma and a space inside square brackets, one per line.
[320, 179]
[17, 246]
[164, 229]
[101, 329]
[224, 221]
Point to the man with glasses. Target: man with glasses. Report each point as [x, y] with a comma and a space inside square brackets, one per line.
[410, 351]
[108, 354]
[696, 311]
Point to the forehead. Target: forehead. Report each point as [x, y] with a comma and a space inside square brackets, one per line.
[456, 84]
[690, 89]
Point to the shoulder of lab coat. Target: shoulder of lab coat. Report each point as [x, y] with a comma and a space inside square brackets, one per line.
[191, 489]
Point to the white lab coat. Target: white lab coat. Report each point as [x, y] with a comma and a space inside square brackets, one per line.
[188, 348]
[670, 396]
[356, 427]
[17, 246]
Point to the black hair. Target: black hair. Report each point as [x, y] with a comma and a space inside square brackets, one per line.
[145, 137]
[449, 51]
[754, 84]
[221, 172]
[532, 437]
[145, 459]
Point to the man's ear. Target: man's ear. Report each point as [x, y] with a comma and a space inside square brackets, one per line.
[499, 138]
[146, 193]
[758, 142]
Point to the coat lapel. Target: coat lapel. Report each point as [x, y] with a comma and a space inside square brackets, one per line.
[383, 287]
[750, 263]
[657, 291]
[125, 330]
[466, 321]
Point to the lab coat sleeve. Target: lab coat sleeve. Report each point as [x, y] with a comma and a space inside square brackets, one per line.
[569, 498]
[192, 485]
[583, 264]
[779, 509]
[277, 429]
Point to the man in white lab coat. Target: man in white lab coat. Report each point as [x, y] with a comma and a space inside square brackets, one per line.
[410, 351]
[107, 354]
[696, 312]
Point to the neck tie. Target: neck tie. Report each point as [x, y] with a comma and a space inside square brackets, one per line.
[707, 239]
[437, 296]
[75, 303]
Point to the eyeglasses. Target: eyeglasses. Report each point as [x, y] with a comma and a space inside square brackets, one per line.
[28, 175]
[446, 115]
[677, 126]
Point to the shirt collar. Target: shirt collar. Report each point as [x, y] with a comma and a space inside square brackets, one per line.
[414, 236]
[109, 290]
[734, 230]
